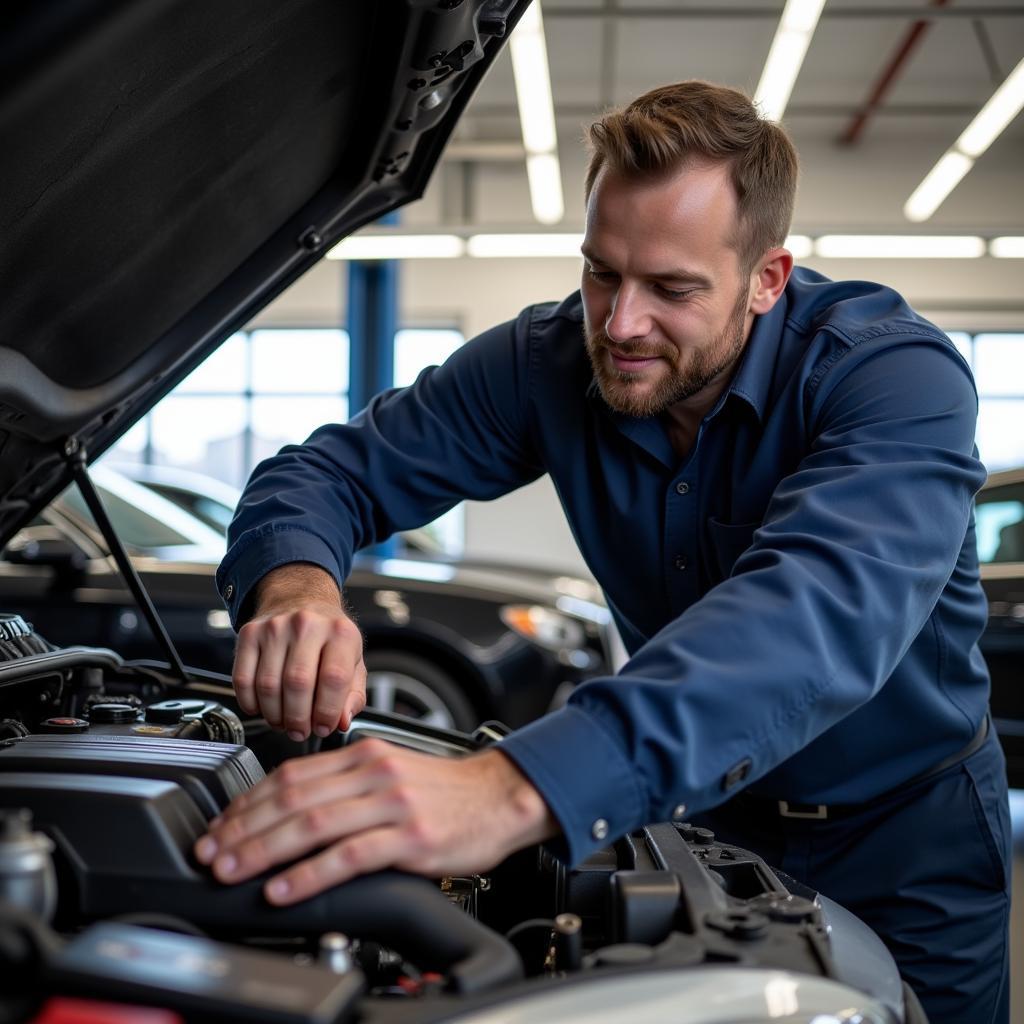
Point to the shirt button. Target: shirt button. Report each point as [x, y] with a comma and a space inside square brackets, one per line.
[682, 487]
[679, 812]
[680, 561]
[229, 591]
[599, 830]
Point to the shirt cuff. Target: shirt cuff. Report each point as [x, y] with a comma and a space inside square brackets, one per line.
[590, 786]
[252, 557]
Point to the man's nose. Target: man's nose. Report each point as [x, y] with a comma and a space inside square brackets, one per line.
[629, 317]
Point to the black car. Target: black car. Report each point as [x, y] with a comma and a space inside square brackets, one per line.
[168, 167]
[999, 524]
[449, 642]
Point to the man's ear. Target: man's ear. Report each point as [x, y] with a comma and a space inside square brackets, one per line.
[769, 282]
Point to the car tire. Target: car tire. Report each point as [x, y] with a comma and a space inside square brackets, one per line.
[408, 684]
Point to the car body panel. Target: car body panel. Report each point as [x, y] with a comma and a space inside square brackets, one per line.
[443, 613]
[999, 518]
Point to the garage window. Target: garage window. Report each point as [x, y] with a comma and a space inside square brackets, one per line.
[266, 388]
[415, 349]
[998, 363]
[260, 390]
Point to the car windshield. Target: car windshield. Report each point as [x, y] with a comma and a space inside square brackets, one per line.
[1000, 524]
[213, 513]
[136, 528]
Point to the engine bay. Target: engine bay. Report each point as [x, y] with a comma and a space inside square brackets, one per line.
[109, 772]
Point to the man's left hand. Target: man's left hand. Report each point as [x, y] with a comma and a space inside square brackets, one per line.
[370, 806]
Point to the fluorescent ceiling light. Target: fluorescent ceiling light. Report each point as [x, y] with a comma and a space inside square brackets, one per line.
[900, 246]
[545, 176]
[525, 245]
[537, 115]
[1009, 247]
[1001, 109]
[387, 245]
[1004, 105]
[938, 183]
[792, 37]
[533, 82]
[398, 247]
[801, 246]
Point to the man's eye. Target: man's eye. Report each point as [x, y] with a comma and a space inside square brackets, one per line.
[600, 275]
[671, 293]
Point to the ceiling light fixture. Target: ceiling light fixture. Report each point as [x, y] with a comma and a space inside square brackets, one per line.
[937, 184]
[537, 115]
[913, 247]
[988, 124]
[1001, 109]
[514, 245]
[398, 247]
[792, 37]
[390, 245]
[1008, 247]
[545, 177]
[801, 246]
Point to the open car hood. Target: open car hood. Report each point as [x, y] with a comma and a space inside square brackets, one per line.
[169, 166]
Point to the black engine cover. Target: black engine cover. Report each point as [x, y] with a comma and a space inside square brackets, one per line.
[213, 774]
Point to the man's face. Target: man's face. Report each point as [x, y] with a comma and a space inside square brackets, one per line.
[665, 309]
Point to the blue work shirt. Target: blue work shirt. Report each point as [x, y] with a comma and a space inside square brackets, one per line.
[799, 593]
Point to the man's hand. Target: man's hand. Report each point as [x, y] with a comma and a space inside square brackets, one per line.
[371, 806]
[299, 660]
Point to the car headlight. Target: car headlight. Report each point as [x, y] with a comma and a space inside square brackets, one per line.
[544, 626]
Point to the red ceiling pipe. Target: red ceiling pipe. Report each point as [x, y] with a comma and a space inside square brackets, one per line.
[885, 80]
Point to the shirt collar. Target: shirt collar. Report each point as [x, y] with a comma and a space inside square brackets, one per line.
[646, 431]
[753, 380]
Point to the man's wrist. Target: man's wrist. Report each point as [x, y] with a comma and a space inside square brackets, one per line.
[298, 583]
[526, 816]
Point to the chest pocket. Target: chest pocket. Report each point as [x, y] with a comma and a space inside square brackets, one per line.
[728, 542]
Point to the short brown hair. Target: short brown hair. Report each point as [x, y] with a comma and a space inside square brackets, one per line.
[660, 131]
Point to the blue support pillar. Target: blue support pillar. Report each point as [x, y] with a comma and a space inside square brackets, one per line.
[372, 322]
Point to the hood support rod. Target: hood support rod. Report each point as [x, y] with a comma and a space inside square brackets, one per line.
[76, 458]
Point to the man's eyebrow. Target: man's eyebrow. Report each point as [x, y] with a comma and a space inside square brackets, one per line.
[680, 274]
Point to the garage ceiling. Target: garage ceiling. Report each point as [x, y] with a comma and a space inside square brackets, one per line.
[604, 52]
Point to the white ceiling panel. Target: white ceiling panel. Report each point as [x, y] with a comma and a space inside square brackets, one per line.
[653, 51]
[604, 51]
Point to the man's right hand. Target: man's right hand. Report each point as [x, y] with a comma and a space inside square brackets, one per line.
[299, 659]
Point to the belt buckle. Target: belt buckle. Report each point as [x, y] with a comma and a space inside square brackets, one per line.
[818, 812]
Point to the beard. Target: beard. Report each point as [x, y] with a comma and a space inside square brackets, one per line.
[704, 365]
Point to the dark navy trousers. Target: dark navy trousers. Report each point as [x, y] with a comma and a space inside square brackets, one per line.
[928, 867]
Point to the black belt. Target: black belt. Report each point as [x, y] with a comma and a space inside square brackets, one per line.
[823, 812]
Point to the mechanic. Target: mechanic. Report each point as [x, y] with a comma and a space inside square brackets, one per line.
[770, 474]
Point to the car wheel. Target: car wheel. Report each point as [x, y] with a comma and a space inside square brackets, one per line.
[407, 684]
